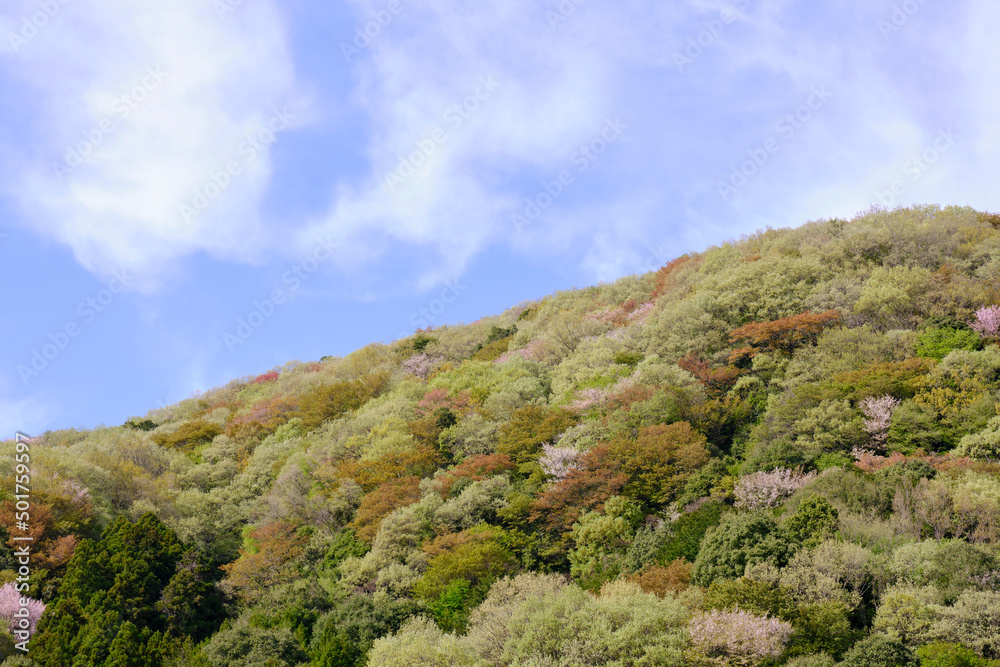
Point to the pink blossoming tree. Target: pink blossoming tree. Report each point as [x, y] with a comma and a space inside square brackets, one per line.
[737, 637]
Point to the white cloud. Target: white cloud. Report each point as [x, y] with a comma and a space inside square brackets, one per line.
[555, 89]
[196, 86]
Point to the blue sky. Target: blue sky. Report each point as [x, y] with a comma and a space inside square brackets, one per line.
[170, 168]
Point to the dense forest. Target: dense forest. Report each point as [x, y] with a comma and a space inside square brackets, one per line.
[784, 450]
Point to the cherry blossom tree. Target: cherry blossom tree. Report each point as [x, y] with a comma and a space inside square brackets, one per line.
[879, 415]
[987, 322]
[19, 618]
[420, 365]
[737, 637]
[766, 489]
[558, 461]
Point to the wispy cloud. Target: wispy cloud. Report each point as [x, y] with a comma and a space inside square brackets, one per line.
[145, 102]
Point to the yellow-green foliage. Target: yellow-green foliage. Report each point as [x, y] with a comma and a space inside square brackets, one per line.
[899, 544]
[188, 436]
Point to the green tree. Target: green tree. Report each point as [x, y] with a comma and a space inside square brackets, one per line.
[740, 540]
[936, 343]
[814, 521]
[879, 651]
[107, 606]
[948, 655]
[343, 636]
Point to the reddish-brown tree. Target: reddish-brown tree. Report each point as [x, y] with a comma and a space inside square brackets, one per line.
[782, 335]
[377, 505]
[586, 488]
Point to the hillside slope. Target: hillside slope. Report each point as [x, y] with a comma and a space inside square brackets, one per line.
[782, 450]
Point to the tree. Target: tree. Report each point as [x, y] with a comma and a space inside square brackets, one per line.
[987, 322]
[600, 540]
[328, 401]
[19, 619]
[814, 521]
[659, 461]
[880, 651]
[266, 561]
[377, 504]
[120, 578]
[761, 490]
[670, 541]
[537, 619]
[783, 336]
[948, 655]
[879, 416]
[477, 559]
[188, 436]
[420, 642]
[737, 637]
[343, 636]
[521, 438]
[586, 488]
[660, 580]
[243, 645]
[740, 540]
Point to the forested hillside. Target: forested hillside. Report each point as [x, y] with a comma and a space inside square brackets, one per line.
[782, 450]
